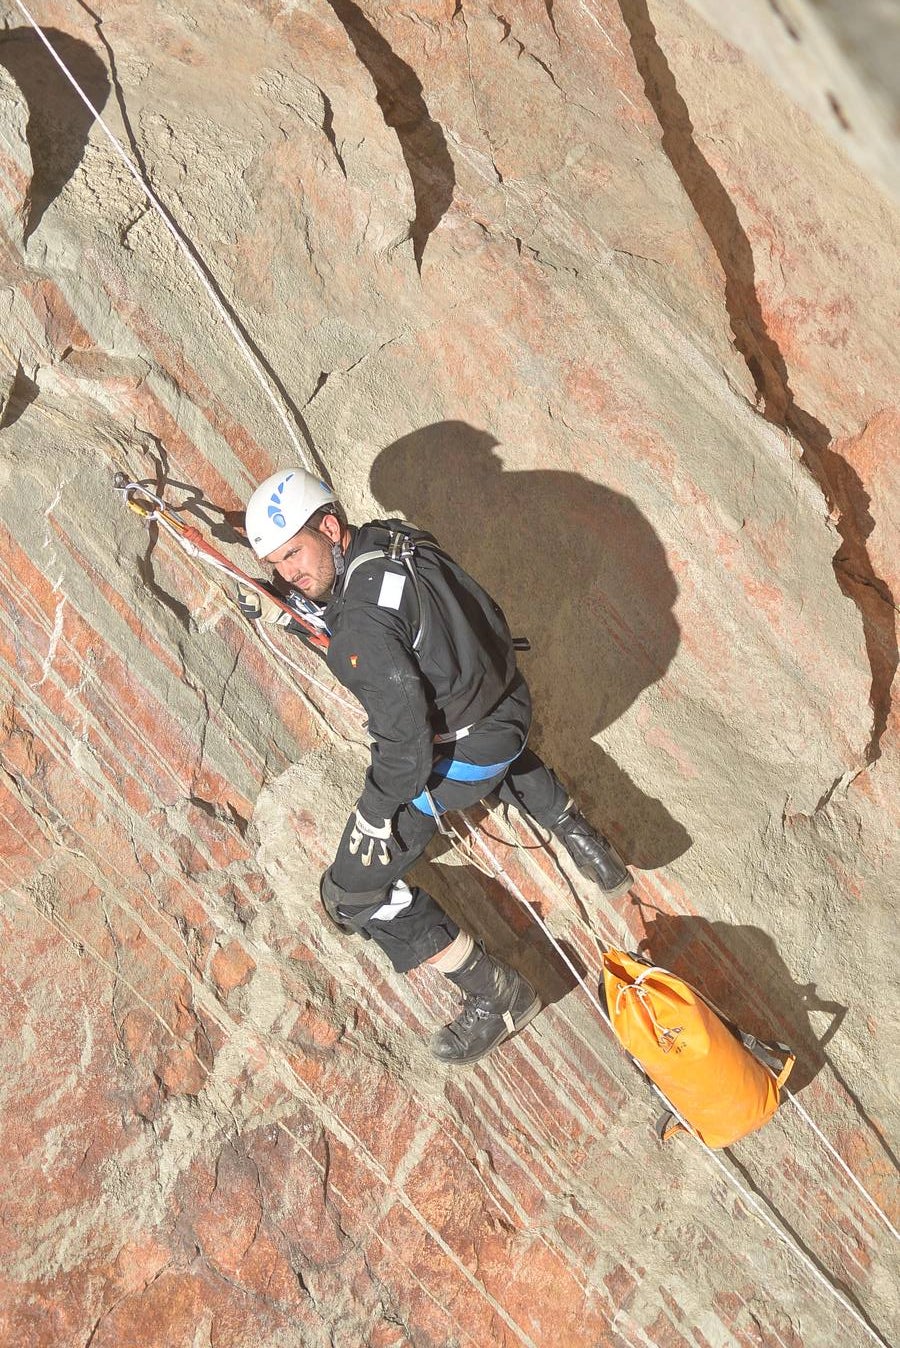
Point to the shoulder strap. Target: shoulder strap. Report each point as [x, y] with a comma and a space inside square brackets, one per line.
[401, 547]
[372, 556]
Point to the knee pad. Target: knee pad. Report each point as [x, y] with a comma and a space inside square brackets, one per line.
[346, 909]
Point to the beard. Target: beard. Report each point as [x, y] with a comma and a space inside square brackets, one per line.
[322, 573]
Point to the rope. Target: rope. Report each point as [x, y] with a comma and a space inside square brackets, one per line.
[792, 1245]
[841, 1162]
[499, 872]
[260, 629]
[317, 683]
[184, 247]
[746, 1196]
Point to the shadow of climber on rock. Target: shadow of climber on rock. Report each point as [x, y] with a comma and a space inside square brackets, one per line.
[740, 969]
[580, 572]
[58, 121]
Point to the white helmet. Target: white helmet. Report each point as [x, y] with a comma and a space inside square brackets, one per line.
[281, 505]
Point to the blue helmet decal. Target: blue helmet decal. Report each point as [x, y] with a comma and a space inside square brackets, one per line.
[274, 510]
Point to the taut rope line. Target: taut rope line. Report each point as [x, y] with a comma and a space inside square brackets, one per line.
[184, 247]
[221, 564]
[500, 873]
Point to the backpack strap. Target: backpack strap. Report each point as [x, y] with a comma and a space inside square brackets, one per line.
[777, 1057]
[401, 547]
[667, 1126]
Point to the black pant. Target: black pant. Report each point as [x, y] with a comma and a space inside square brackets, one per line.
[405, 921]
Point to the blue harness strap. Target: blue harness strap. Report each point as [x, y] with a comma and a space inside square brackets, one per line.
[455, 770]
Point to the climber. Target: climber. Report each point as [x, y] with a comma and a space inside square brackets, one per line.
[430, 657]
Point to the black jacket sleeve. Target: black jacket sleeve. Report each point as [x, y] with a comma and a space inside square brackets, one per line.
[373, 657]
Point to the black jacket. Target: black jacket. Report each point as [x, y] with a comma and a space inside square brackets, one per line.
[464, 663]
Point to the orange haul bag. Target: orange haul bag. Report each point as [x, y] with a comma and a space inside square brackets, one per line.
[720, 1082]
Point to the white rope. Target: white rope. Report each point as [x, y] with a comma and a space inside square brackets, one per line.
[500, 872]
[792, 1245]
[193, 551]
[748, 1198]
[243, 346]
[323, 687]
[841, 1162]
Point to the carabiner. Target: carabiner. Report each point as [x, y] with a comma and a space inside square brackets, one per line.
[128, 490]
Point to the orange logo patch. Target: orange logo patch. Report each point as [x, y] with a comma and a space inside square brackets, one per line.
[354, 660]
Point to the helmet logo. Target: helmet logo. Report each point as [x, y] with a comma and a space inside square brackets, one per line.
[274, 510]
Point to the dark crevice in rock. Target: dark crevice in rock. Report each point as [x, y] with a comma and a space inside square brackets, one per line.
[23, 393]
[523, 50]
[398, 92]
[845, 1289]
[526, 250]
[825, 799]
[328, 130]
[220, 814]
[58, 121]
[320, 384]
[546, 69]
[548, 6]
[838, 112]
[786, 22]
[843, 492]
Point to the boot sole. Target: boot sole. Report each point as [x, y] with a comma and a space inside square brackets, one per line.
[621, 889]
[519, 1023]
[618, 890]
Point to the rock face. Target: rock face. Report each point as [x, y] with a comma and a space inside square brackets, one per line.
[576, 287]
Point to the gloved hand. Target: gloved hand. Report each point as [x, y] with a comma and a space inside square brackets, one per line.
[258, 607]
[374, 839]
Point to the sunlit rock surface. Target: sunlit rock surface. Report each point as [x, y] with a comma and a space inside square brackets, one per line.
[582, 288]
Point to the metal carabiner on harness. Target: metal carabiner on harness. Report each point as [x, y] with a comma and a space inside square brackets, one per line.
[400, 549]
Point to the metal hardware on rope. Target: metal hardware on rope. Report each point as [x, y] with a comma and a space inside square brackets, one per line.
[190, 539]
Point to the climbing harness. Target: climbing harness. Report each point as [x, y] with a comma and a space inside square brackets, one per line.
[401, 547]
[152, 509]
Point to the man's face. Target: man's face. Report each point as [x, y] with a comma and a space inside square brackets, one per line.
[306, 562]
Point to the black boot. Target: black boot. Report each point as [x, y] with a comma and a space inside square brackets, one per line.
[593, 854]
[497, 1002]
